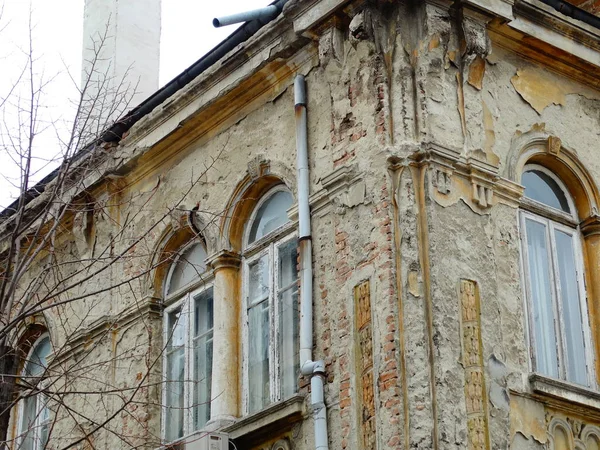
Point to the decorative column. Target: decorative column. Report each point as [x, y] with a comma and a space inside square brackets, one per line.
[225, 405]
[590, 228]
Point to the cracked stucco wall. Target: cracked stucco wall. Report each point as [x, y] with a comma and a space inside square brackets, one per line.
[390, 80]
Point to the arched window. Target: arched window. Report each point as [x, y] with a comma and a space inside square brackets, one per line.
[270, 302]
[188, 334]
[34, 415]
[556, 301]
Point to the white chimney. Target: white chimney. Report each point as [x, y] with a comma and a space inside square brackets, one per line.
[121, 50]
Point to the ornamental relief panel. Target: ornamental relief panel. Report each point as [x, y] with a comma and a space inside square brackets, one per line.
[567, 433]
[472, 359]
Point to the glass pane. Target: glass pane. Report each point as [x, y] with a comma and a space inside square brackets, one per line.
[176, 330]
[175, 372]
[571, 308]
[258, 356]
[288, 264]
[174, 394]
[203, 357]
[27, 431]
[44, 423]
[541, 299]
[271, 215]
[38, 359]
[203, 313]
[190, 265]
[542, 188]
[289, 342]
[258, 280]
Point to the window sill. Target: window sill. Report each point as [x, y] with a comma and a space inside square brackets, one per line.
[273, 418]
[563, 390]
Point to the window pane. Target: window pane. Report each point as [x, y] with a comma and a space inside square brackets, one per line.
[542, 188]
[258, 356]
[190, 265]
[176, 330]
[571, 308]
[38, 360]
[288, 264]
[27, 431]
[288, 318]
[289, 342]
[175, 371]
[203, 313]
[271, 215]
[541, 299]
[258, 283]
[44, 422]
[203, 357]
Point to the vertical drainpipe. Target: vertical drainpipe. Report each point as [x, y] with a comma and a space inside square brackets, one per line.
[316, 369]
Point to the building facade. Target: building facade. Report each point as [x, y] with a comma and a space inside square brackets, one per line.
[453, 188]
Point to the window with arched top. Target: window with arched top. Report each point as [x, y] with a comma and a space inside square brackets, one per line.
[559, 330]
[270, 302]
[34, 417]
[188, 337]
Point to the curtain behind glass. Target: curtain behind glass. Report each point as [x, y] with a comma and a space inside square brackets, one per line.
[571, 308]
[288, 318]
[541, 299]
[175, 376]
[203, 357]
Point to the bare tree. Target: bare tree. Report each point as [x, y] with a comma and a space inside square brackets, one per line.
[44, 273]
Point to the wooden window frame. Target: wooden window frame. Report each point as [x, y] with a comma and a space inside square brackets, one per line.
[266, 245]
[183, 299]
[554, 219]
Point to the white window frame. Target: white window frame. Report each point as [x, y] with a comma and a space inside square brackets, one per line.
[266, 245]
[183, 298]
[555, 220]
[40, 403]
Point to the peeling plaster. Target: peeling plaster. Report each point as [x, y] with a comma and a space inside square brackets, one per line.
[540, 89]
[476, 73]
[528, 418]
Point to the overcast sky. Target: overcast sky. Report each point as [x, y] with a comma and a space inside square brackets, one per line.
[187, 34]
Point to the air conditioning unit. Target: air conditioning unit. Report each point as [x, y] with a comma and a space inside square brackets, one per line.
[208, 441]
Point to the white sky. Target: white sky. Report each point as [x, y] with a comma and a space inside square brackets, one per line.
[187, 34]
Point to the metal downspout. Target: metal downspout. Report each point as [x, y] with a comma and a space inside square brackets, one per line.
[307, 366]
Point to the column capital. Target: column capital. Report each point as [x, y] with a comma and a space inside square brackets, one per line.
[590, 226]
[224, 259]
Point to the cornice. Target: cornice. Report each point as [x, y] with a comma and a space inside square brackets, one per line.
[542, 34]
[454, 177]
[81, 339]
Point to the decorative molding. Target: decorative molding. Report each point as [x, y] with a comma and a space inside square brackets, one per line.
[565, 391]
[258, 166]
[149, 307]
[554, 145]
[224, 259]
[472, 360]
[272, 420]
[343, 188]
[454, 177]
[567, 432]
[442, 180]
[591, 225]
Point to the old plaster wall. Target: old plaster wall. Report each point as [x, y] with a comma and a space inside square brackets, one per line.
[395, 252]
[484, 111]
